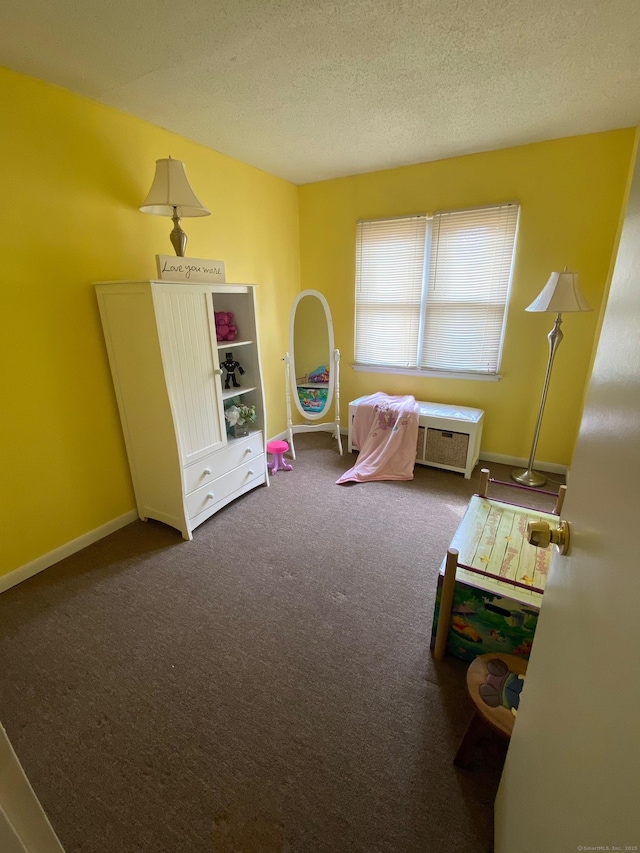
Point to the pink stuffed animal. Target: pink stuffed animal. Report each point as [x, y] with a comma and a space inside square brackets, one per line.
[225, 330]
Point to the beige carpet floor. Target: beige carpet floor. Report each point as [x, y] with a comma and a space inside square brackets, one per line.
[266, 687]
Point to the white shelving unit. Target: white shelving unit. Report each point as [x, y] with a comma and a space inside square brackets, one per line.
[164, 358]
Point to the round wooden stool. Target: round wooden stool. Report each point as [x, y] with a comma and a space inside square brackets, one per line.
[498, 684]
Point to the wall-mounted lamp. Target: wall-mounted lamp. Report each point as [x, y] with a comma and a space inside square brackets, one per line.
[561, 293]
[171, 195]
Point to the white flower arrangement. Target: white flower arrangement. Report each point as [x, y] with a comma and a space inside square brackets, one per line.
[240, 414]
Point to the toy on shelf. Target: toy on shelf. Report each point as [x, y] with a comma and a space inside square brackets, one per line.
[230, 365]
[313, 389]
[225, 330]
[319, 376]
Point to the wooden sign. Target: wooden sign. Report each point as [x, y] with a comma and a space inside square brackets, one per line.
[195, 270]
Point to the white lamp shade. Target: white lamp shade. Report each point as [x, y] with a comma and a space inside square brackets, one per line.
[170, 189]
[561, 293]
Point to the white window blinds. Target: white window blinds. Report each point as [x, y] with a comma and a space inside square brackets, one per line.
[432, 294]
[389, 286]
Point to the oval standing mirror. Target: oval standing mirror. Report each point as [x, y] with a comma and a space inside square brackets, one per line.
[311, 346]
[312, 367]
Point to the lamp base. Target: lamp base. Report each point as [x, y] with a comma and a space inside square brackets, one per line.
[178, 237]
[528, 477]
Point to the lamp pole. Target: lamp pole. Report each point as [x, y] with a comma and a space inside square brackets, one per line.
[527, 476]
[178, 237]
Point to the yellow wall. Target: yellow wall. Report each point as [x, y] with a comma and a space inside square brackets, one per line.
[571, 192]
[73, 175]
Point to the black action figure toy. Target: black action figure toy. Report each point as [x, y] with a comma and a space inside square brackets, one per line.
[230, 366]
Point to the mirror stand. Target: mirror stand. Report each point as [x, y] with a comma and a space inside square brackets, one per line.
[312, 368]
[327, 426]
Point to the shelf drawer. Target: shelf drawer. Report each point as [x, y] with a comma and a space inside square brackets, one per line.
[218, 490]
[208, 469]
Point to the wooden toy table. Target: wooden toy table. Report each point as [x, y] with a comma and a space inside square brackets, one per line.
[491, 581]
[498, 719]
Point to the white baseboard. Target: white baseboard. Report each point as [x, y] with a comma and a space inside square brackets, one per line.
[518, 462]
[29, 569]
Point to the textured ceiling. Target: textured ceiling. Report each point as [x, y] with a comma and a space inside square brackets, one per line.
[314, 90]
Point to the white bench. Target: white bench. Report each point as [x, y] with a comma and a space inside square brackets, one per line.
[448, 436]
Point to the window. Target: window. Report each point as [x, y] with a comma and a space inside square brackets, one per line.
[431, 292]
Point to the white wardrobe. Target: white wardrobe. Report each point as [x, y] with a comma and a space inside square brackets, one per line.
[165, 363]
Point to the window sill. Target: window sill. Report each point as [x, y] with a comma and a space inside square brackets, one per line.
[420, 372]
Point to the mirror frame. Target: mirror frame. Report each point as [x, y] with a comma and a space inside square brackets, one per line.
[311, 416]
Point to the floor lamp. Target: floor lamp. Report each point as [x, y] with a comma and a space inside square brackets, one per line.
[561, 293]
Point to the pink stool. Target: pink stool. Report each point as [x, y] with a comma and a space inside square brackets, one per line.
[277, 450]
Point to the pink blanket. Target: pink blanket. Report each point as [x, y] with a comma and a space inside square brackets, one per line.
[386, 431]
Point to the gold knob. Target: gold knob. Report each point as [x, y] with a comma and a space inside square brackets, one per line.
[541, 535]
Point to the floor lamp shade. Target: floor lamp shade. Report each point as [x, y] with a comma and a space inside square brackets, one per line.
[561, 294]
[171, 195]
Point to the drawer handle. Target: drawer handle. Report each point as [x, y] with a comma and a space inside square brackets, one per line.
[249, 450]
[250, 472]
[218, 371]
[210, 495]
[207, 471]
